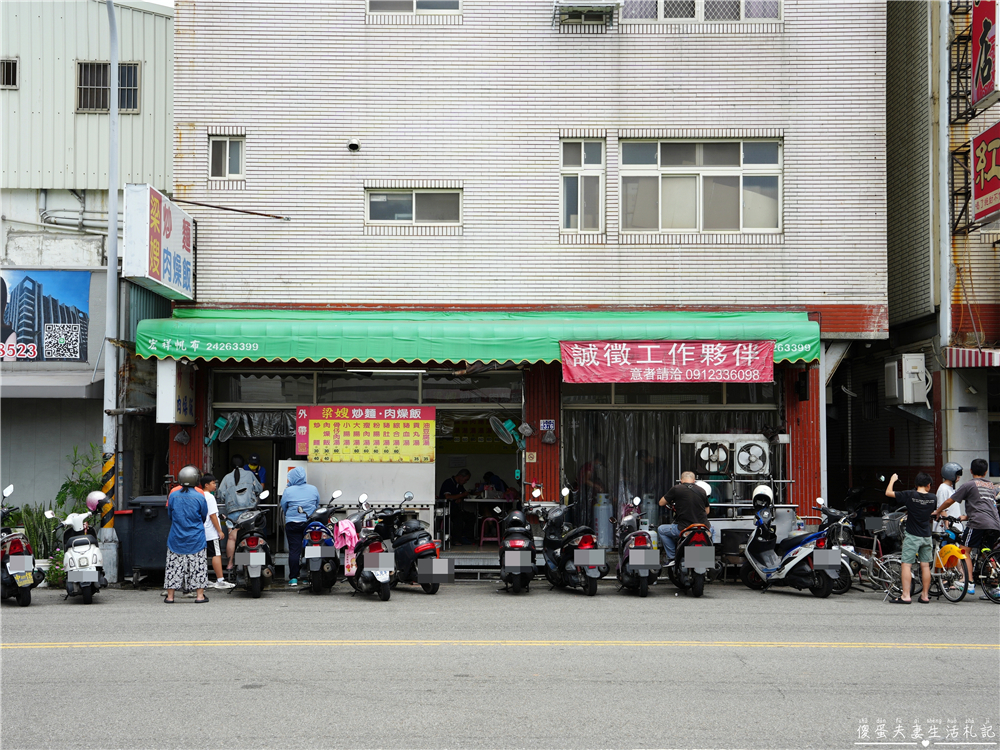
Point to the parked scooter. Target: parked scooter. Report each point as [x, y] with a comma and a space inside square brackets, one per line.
[18, 575]
[517, 551]
[319, 556]
[411, 543]
[786, 563]
[638, 562]
[83, 559]
[254, 565]
[370, 541]
[572, 557]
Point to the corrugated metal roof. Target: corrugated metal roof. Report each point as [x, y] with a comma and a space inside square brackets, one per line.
[46, 143]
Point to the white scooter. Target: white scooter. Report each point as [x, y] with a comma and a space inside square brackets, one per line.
[83, 560]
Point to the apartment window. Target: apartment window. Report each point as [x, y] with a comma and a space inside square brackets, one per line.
[582, 186]
[410, 207]
[93, 92]
[8, 73]
[712, 186]
[700, 11]
[226, 157]
[414, 6]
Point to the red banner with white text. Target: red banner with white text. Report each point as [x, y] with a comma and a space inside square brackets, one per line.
[667, 361]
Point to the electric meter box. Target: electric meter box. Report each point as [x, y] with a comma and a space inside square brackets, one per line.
[906, 380]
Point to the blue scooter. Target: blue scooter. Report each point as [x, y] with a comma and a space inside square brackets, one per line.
[319, 555]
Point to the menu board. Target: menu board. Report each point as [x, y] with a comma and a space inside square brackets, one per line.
[365, 434]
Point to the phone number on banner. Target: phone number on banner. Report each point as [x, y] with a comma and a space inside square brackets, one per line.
[19, 351]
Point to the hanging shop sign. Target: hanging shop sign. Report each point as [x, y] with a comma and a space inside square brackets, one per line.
[984, 54]
[159, 243]
[667, 361]
[365, 434]
[986, 175]
[175, 387]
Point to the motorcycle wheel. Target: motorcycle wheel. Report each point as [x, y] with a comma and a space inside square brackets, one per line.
[316, 582]
[643, 587]
[697, 584]
[750, 577]
[384, 592]
[430, 588]
[515, 583]
[823, 588]
[23, 597]
[255, 586]
[590, 586]
[88, 594]
[843, 583]
[675, 578]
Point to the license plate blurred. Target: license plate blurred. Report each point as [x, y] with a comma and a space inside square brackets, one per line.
[311, 552]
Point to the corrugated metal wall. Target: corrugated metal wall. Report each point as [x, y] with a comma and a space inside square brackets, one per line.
[142, 304]
[46, 144]
[541, 391]
[908, 162]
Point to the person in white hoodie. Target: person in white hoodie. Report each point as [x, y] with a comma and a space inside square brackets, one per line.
[298, 502]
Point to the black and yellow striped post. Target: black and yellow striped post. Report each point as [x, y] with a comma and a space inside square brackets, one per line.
[108, 488]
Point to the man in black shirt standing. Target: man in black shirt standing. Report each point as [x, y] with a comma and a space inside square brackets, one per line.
[917, 546]
[453, 490]
[690, 504]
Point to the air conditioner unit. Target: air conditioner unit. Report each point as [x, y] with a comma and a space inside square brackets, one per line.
[753, 458]
[906, 380]
[713, 458]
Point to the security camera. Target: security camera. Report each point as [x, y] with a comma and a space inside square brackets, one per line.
[354, 145]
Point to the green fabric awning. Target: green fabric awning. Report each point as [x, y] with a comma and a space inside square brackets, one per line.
[453, 336]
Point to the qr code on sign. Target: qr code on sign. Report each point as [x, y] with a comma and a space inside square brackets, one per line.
[62, 341]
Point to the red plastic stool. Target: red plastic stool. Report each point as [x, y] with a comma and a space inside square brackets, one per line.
[482, 531]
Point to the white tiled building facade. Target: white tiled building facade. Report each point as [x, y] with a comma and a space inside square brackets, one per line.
[478, 101]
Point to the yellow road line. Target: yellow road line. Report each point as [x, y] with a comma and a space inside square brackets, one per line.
[645, 644]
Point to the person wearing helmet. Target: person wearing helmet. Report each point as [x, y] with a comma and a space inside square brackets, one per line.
[188, 510]
[950, 474]
[689, 499]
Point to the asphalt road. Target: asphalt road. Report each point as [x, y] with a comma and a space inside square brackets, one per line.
[474, 668]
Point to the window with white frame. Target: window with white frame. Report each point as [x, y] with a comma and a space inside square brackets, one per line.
[226, 158]
[700, 11]
[414, 6]
[582, 186]
[93, 92]
[8, 73]
[709, 186]
[414, 207]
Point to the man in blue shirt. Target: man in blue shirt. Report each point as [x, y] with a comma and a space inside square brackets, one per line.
[187, 508]
[253, 465]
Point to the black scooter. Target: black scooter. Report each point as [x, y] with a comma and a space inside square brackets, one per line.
[411, 543]
[517, 552]
[638, 562]
[254, 564]
[370, 541]
[18, 575]
[694, 560]
[572, 557]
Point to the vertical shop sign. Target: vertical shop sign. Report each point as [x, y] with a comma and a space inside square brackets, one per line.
[984, 55]
[986, 175]
[365, 434]
[159, 244]
[667, 361]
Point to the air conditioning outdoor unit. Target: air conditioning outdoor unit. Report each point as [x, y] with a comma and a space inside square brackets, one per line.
[753, 458]
[906, 380]
[713, 458]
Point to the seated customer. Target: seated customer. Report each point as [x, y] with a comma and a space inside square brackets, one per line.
[462, 519]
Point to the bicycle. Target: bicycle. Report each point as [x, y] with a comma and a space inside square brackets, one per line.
[948, 573]
[872, 572]
[986, 572]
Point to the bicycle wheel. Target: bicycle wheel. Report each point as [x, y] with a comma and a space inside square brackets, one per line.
[988, 572]
[951, 582]
[894, 564]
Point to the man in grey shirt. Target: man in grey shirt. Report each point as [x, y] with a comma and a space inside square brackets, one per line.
[238, 492]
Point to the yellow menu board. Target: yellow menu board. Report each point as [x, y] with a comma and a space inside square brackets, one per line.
[382, 434]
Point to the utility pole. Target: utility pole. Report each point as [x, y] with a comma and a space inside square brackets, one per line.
[110, 451]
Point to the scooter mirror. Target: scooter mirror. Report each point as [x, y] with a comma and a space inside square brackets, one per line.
[496, 509]
[636, 501]
[820, 502]
[49, 514]
[536, 493]
[302, 510]
[336, 494]
[8, 490]
[364, 496]
[565, 491]
[264, 495]
[407, 497]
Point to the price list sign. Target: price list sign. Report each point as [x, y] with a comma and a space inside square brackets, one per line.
[365, 434]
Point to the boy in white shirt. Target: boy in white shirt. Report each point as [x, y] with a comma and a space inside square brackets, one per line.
[950, 473]
[213, 531]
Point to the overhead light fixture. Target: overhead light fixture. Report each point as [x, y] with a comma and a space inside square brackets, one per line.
[972, 389]
[391, 372]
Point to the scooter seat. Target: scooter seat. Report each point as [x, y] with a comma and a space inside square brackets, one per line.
[409, 538]
[791, 542]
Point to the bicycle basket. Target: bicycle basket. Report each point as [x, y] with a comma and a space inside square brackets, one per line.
[893, 524]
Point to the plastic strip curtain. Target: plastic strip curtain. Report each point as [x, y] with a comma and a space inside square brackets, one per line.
[632, 454]
[264, 424]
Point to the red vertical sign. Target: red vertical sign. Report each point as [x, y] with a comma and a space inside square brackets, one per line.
[986, 175]
[155, 231]
[984, 56]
